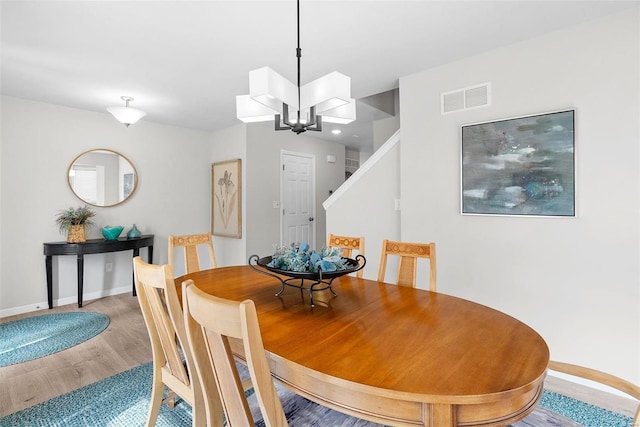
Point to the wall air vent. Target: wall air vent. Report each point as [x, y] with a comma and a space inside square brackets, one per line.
[352, 164]
[466, 98]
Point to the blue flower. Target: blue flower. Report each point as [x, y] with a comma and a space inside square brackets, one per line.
[327, 266]
[315, 258]
[332, 259]
[304, 247]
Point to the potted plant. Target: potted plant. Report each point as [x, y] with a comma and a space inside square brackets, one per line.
[72, 221]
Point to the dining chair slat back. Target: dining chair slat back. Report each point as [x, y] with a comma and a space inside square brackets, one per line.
[348, 245]
[163, 316]
[211, 322]
[601, 377]
[190, 244]
[407, 267]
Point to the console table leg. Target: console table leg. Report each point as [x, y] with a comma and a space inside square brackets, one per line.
[136, 252]
[47, 264]
[80, 278]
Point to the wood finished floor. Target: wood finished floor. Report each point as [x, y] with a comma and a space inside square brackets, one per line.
[125, 344]
[122, 346]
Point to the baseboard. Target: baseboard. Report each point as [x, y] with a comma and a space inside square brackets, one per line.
[63, 301]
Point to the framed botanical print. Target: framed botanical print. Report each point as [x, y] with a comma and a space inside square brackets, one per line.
[226, 198]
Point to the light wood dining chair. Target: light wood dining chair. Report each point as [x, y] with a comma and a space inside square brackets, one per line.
[348, 246]
[210, 322]
[409, 254]
[190, 244]
[597, 376]
[217, 328]
[163, 316]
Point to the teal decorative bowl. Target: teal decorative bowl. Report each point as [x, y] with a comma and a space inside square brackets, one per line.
[112, 233]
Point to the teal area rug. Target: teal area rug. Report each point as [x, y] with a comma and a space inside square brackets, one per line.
[583, 413]
[123, 401]
[33, 337]
[557, 410]
[120, 400]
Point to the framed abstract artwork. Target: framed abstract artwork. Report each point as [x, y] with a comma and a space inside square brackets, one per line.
[226, 198]
[523, 166]
[127, 184]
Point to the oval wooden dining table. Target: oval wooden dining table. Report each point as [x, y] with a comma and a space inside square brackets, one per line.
[390, 354]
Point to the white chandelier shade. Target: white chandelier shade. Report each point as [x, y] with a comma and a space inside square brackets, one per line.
[271, 89]
[268, 91]
[250, 111]
[126, 115]
[327, 92]
[343, 114]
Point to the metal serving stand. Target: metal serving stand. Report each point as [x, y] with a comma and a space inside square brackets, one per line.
[315, 281]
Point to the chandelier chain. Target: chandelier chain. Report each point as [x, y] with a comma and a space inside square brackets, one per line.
[299, 56]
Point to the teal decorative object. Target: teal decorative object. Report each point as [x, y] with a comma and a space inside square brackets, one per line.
[134, 233]
[112, 233]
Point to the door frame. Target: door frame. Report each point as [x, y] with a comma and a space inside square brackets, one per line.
[312, 157]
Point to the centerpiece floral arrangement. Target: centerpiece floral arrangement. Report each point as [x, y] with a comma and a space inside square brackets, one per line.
[302, 259]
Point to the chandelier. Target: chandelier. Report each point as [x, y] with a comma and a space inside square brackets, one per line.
[295, 107]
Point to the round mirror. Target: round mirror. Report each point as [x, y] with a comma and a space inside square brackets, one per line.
[102, 177]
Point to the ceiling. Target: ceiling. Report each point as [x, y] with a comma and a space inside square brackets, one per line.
[184, 62]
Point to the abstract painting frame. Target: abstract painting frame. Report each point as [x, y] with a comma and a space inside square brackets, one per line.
[226, 198]
[128, 182]
[522, 166]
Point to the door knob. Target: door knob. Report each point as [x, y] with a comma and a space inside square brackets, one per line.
[310, 218]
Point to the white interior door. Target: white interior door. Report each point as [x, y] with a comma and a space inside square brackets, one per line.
[298, 198]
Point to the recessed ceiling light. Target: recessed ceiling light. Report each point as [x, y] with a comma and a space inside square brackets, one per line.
[336, 131]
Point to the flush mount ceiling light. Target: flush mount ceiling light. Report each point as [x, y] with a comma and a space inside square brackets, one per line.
[295, 107]
[126, 114]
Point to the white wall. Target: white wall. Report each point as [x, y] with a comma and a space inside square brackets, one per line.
[38, 143]
[228, 144]
[365, 206]
[383, 129]
[576, 281]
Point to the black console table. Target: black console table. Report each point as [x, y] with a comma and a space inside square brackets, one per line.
[93, 246]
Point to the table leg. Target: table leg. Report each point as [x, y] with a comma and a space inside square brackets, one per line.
[136, 252]
[48, 267]
[443, 414]
[80, 278]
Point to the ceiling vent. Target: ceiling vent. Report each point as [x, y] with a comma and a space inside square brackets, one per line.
[466, 98]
